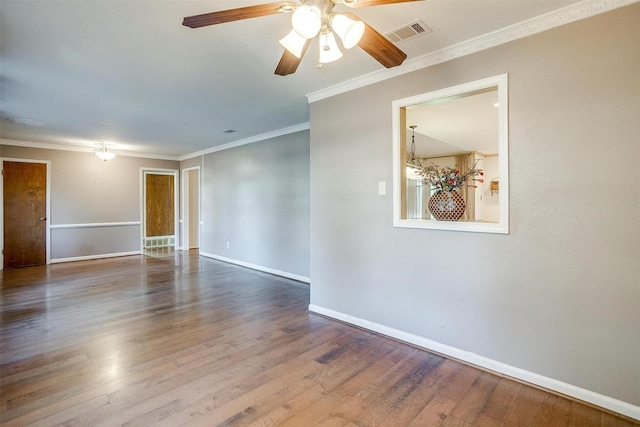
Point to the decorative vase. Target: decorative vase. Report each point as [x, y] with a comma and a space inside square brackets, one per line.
[447, 205]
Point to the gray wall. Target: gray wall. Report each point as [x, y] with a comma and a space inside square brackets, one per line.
[256, 197]
[87, 190]
[559, 296]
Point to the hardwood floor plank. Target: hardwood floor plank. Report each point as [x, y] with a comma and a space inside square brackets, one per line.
[474, 400]
[176, 339]
[415, 370]
[526, 407]
[347, 398]
[406, 410]
[485, 420]
[353, 392]
[584, 416]
[460, 383]
[340, 381]
[555, 412]
[502, 399]
[434, 413]
[453, 421]
[608, 420]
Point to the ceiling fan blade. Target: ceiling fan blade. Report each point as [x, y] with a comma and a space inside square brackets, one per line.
[289, 62]
[365, 3]
[378, 46]
[230, 15]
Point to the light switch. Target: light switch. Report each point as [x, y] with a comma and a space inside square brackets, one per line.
[382, 188]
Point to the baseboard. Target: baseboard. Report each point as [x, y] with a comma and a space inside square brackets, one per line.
[88, 257]
[485, 363]
[258, 267]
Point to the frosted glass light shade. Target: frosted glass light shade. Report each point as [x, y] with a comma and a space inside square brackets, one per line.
[105, 155]
[306, 20]
[329, 50]
[102, 152]
[294, 43]
[349, 30]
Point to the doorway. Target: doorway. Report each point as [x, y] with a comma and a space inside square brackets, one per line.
[25, 212]
[190, 208]
[159, 213]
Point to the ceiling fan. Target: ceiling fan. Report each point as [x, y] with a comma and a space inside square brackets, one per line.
[315, 18]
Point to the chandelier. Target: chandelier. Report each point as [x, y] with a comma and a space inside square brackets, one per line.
[413, 165]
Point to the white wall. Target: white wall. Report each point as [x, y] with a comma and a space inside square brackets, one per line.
[557, 299]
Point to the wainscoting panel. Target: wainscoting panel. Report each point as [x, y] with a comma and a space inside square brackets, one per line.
[97, 240]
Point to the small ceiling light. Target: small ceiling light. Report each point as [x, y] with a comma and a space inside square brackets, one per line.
[349, 30]
[102, 151]
[306, 20]
[294, 43]
[329, 50]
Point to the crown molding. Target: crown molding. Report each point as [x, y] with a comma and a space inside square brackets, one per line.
[250, 140]
[566, 15]
[78, 148]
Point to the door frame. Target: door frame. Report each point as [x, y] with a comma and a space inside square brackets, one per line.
[47, 234]
[185, 203]
[143, 202]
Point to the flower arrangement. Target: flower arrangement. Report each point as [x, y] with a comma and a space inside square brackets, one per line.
[450, 178]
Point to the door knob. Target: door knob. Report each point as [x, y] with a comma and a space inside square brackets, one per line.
[43, 218]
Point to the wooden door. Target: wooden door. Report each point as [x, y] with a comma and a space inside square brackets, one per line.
[160, 205]
[25, 210]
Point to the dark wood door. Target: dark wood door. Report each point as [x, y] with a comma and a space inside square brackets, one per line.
[160, 205]
[25, 210]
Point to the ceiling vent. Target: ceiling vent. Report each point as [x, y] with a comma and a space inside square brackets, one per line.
[28, 123]
[408, 32]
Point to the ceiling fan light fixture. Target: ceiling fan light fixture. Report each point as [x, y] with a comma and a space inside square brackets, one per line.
[329, 50]
[294, 43]
[349, 30]
[306, 21]
[311, 19]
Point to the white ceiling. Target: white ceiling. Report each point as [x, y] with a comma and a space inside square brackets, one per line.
[128, 73]
[455, 125]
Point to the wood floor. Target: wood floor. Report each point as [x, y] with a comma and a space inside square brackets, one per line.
[182, 340]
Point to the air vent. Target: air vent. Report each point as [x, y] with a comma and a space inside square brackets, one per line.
[408, 32]
[28, 123]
